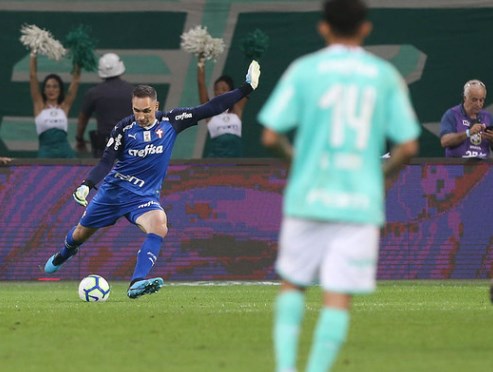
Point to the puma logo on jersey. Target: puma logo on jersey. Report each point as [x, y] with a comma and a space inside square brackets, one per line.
[134, 136]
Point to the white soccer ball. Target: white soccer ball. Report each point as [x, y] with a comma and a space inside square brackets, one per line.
[94, 288]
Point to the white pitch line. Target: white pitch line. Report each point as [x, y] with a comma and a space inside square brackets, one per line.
[223, 283]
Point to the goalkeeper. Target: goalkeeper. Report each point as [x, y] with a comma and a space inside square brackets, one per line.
[142, 144]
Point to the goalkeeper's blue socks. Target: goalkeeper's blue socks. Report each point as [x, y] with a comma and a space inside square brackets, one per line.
[147, 257]
[288, 314]
[330, 333]
[69, 249]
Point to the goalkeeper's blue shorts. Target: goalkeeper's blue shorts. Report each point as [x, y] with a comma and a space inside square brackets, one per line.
[112, 202]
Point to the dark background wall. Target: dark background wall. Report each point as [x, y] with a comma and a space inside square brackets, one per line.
[437, 46]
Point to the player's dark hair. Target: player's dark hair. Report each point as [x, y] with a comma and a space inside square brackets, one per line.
[61, 96]
[344, 16]
[144, 91]
[226, 79]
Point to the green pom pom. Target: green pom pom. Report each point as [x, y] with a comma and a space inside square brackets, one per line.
[255, 44]
[81, 48]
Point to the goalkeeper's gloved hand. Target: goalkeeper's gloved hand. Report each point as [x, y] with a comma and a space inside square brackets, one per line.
[253, 74]
[80, 195]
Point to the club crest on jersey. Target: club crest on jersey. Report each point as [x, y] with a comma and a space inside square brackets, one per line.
[117, 141]
[147, 136]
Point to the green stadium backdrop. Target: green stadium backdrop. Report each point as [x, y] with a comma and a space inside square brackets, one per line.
[437, 46]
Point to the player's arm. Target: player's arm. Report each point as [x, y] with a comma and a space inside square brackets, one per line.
[182, 118]
[400, 155]
[102, 168]
[97, 173]
[403, 128]
[278, 143]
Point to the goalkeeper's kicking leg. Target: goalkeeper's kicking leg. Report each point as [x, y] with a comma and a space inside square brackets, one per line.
[74, 239]
[154, 224]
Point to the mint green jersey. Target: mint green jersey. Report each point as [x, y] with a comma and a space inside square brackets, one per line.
[344, 104]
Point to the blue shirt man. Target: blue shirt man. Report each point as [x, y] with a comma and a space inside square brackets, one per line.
[463, 131]
[141, 145]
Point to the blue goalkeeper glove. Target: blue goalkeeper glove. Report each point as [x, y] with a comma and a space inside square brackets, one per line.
[253, 74]
[80, 195]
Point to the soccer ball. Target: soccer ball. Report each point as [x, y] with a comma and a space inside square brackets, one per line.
[94, 288]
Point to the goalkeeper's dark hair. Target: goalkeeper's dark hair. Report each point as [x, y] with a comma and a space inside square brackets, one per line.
[144, 91]
[344, 16]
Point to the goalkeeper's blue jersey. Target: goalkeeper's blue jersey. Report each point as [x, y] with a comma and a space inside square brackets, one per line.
[142, 154]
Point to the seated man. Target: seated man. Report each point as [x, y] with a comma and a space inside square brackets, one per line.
[463, 128]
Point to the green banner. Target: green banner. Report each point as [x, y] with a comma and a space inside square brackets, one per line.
[436, 48]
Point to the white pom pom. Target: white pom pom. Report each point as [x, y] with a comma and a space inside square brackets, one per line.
[215, 48]
[40, 41]
[198, 42]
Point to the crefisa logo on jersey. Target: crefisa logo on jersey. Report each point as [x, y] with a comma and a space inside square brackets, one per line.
[148, 150]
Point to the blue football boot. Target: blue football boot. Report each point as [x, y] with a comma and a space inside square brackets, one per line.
[145, 286]
[55, 262]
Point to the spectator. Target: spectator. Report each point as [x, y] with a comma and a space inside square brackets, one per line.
[225, 128]
[463, 131]
[109, 101]
[51, 108]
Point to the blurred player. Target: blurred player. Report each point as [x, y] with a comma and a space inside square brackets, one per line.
[344, 103]
[142, 147]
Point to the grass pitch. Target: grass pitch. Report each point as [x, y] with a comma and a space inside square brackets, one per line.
[405, 326]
